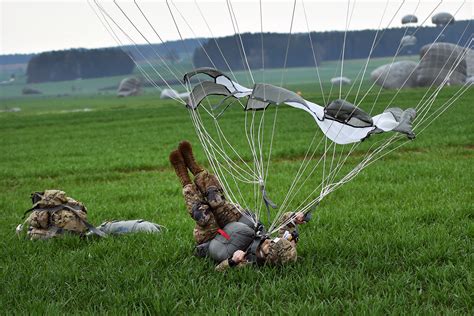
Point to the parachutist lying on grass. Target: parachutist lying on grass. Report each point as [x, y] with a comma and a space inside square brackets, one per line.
[224, 231]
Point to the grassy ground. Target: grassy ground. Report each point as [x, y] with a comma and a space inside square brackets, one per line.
[398, 239]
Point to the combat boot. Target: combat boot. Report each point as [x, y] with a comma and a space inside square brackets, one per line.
[186, 151]
[179, 165]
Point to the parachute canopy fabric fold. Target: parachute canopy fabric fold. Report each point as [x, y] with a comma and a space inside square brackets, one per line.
[205, 89]
[265, 93]
[345, 112]
[340, 121]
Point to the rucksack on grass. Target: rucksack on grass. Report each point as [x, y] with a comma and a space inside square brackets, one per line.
[54, 213]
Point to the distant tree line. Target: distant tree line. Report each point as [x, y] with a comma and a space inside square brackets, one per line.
[78, 63]
[15, 59]
[327, 46]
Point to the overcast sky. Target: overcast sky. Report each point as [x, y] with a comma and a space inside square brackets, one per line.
[36, 25]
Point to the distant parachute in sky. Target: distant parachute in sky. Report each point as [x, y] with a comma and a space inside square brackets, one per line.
[442, 19]
[408, 40]
[409, 18]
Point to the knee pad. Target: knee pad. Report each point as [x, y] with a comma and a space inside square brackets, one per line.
[214, 197]
[201, 214]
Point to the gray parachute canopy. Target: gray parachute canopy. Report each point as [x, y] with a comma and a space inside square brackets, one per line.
[440, 61]
[408, 40]
[130, 226]
[130, 86]
[442, 19]
[400, 74]
[341, 121]
[409, 18]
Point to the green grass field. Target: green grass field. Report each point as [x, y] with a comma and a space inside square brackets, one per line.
[398, 239]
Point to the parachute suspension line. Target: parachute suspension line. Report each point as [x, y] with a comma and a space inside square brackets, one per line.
[425, 108]
[344, 44]
[444, 108]
[334, 171]
[357, 144]
[368, 92]
[214, 39]
[420, 109]
[215, 165]
[237, 169]
[339, 165]
[109, 30]
[230, 195]
[194, 34]
[106, 17]
[269, 203]
[302, 168]
[421, 59]
[175, 69]
[232, 165]
[288, 200]
[370, 53]
[148, 42]
[237, 31]
[313, 51]
[210, 150]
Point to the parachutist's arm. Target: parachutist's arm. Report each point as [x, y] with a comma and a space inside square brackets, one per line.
[237, 260]
[289, 221]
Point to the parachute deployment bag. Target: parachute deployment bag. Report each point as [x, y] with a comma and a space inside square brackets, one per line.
[54, 213]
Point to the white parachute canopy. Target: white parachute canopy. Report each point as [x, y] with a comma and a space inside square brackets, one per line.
[340, 121]
[173, 94]
[340, 81]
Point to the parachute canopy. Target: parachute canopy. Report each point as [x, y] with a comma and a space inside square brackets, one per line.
[397, 75]
[440, 62]
[442, 19]
[130, 86]
[409, 18]
[408, 40]
[341, 121]
[340, 81]
[173, 94]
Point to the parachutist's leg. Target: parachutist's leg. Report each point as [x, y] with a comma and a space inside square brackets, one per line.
[186, 151]
[179, 165]
[211, 189]
[206, 226]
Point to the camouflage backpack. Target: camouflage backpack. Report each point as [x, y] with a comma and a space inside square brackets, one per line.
[53, 213]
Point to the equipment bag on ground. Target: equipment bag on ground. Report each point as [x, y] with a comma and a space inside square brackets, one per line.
[54, 213]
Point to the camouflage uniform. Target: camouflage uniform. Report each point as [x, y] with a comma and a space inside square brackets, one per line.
[207, 205]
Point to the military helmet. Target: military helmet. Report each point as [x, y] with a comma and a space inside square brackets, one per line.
[281, 251]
